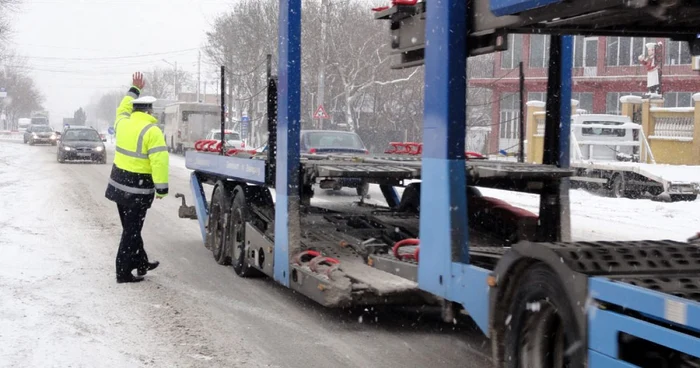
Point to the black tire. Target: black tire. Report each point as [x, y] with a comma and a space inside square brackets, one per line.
[103, 161]
[363, 189]
[218, 218]
[684, 197]
[60, 158]
[617, 186]
[543, 330]
[410, 199]
[31, 142]
[235, 236]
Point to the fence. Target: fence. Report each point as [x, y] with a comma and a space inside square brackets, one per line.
[11, 136]
[673, 134]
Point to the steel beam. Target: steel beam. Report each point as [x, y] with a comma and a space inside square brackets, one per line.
[287, 229]
[443, 220]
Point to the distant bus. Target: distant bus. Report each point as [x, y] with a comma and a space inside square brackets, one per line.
[41, 120]
[23, 123]
[187, 122]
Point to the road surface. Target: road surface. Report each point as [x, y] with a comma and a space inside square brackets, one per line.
[60, 304]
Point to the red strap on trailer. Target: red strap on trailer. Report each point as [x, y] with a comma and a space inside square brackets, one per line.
[403, 243]
[298, 259]
[215, 147]
[328, 261]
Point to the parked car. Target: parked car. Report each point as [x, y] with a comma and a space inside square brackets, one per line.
[81, 143]
[40, 133]
[339, 142]
[233, 139]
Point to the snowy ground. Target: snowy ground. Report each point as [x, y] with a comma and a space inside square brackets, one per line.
[60, 305]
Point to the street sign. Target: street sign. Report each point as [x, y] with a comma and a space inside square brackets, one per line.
[110, 130]
[321, 113]
[245, 121]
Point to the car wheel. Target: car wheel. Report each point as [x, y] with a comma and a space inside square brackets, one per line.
[60, 159]
[31, 142]
[103, 161]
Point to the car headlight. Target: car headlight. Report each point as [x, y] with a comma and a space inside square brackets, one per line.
[66, 148]
[99, 149]
[53, 136]
[35, 136]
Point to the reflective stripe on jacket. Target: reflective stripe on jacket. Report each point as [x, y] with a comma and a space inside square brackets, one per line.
[140, 159]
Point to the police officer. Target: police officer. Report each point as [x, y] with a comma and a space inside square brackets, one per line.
[140, 171]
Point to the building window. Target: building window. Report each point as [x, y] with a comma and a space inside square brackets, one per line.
[539, 51]
[678, 99]
[624, 51]
[511, 57]
[585, 99]
[677, 53]
[509, 120]
[612, 101]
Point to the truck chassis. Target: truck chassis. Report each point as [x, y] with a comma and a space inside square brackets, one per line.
[543, 301]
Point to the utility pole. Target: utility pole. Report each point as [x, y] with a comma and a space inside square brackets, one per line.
[177, 82]
[322, 71]
[521, 122]
[199, 73]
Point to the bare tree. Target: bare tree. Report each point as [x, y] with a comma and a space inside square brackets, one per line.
[162, 83]
[23, 96]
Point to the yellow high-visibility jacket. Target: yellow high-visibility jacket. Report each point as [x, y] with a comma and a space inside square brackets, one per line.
[141, 157]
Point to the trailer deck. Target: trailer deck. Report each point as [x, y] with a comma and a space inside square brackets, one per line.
[379, 169]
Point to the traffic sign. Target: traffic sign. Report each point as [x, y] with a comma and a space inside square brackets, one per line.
[245, 121]
[110, 130]
[321, 113]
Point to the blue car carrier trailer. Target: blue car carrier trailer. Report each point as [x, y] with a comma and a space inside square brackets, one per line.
[543, 300]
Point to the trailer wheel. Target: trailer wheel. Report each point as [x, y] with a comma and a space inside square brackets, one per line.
[617, 187]
[217, 229]
[363, 189]
[542, 331]
[683, 197]
[235, 236]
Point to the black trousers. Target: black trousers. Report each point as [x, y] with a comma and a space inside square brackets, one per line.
[131, 254]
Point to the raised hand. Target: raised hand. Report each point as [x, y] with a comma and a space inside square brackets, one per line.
[138, 81]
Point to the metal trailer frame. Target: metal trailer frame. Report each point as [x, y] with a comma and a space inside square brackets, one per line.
[612, 288]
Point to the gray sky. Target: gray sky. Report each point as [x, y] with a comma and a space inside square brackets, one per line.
[77, 49]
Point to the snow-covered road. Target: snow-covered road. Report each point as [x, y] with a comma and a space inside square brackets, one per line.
[60, 305]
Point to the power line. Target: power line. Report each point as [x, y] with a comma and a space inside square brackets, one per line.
[112, 57]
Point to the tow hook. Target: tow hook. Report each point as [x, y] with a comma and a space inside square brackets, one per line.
[185, 211]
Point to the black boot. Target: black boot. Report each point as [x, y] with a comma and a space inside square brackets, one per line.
[150, 266]
[129, 278]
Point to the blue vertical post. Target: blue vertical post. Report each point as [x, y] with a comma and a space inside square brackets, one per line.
[443, 224]
[554, 200]
[567, 62]
[287, 229]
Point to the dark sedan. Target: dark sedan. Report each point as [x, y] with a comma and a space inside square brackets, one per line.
[81, 143]
[37, 133]
[336, 142]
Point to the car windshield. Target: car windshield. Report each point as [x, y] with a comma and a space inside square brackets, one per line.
[334, 140]
[41, 129]
[229, 136]
[81, 135]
